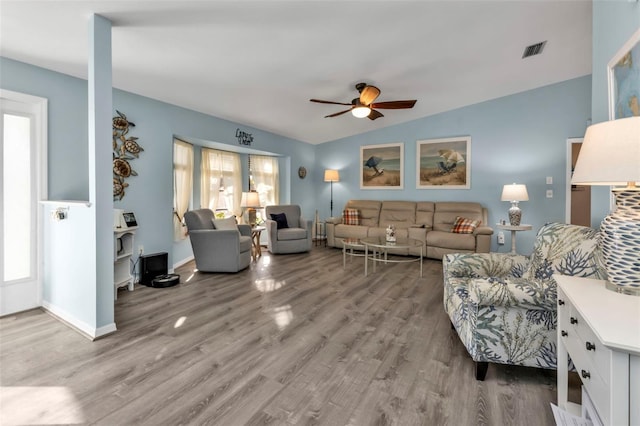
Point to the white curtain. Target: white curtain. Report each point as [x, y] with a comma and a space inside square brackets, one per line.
[221, 181]
[182, 185]
[266, 178]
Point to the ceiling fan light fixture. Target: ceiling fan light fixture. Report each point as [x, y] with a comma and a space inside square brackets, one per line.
[361, 111]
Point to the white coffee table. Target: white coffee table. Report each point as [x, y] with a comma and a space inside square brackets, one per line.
[379, 248]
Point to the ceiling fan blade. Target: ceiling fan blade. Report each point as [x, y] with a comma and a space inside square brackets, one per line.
[338, 113]
[328, 102]
[369, 94]
[374, 114]
[394, 104]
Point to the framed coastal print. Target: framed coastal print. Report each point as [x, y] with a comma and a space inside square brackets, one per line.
[624, 80]
[443, 163]
[382, 166]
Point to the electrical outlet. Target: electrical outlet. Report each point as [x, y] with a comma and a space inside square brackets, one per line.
[500, 238]
[549, 193]
[140, 249]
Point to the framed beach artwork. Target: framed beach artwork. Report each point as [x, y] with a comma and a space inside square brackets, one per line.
[382, 166]
[624, 80]
[443, 163]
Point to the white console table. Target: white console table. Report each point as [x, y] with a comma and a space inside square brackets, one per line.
[600, 330]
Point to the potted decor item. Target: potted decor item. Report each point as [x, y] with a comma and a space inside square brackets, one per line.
[391, 234]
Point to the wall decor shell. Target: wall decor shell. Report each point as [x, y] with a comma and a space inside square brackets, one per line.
[125, 149]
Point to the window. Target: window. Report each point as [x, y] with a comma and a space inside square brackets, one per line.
[220, 181]
[182, 186]
[264, 178]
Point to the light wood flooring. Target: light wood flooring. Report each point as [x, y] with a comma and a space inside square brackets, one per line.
[294, 339]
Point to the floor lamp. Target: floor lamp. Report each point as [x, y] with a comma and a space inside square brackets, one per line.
[331, 176]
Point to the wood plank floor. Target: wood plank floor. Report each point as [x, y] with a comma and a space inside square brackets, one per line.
[294, 339]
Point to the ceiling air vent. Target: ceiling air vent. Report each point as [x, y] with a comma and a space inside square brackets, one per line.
[534, 49]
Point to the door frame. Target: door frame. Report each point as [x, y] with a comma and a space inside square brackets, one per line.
[38, 106]
[567, 209]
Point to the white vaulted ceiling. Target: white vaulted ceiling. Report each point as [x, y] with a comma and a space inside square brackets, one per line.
[259, 62]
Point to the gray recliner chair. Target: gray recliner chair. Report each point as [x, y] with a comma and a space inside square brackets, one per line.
[295, 237]
[225, 249]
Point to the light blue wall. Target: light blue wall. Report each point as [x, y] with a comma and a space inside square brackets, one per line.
[614, 22]
[520, 138]
[150, 194]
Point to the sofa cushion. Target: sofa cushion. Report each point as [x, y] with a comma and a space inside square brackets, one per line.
[446, 213]
[351, 217]
[286, 234]
[228, 223]
[401, 214]
[281, 220]
[462, 225]
[446, 239]
[369, 211]
[351, 231]
[424, 214]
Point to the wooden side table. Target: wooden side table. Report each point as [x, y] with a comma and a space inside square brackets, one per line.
[256, 250]
[513, 230]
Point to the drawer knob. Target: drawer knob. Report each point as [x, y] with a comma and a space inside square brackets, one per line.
[560, 302]
[564, 333]
[590, 346]
[573, 320]
[585, 374]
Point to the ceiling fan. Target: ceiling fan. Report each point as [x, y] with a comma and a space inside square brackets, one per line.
[364, 106]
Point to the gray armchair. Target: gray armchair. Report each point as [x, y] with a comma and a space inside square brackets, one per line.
[225, 249]
[296, 237]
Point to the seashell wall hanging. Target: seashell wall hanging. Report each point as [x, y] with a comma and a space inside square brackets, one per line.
[125, 149]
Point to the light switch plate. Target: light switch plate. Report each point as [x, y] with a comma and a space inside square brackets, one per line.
[549, 180]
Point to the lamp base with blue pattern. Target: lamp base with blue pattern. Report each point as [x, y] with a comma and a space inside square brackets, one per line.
[620, 233]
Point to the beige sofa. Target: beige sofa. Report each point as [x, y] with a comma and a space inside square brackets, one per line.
[426, 221]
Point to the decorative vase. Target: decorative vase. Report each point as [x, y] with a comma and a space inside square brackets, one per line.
[515, 214]
[391, 234]
[620, 233]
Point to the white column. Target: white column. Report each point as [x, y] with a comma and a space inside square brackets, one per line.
[100, 167]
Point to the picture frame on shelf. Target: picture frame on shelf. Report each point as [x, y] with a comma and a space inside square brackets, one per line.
[382, 166]
[443, 163]
[623, 72]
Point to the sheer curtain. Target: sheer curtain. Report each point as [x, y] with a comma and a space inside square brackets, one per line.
[221, 181]
[266, 178]
[182, 185]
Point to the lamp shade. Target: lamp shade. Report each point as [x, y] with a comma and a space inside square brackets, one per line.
[331, 176]
[250, 199]
[610, 154]
[514, 192]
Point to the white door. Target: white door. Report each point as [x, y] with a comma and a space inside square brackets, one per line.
[23, 128]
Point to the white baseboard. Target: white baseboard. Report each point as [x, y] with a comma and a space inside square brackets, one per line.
[82, 327]
[182, 262]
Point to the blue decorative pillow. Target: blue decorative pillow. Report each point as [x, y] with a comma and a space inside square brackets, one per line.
[281, 220]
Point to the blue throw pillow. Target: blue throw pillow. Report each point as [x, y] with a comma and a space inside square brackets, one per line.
[281, 220]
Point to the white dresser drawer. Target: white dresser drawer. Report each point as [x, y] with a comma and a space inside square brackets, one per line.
[598, 355]
[589, 375]
[591, 364]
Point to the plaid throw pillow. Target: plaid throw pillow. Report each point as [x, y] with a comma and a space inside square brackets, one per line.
[464, 226]
[351, 217]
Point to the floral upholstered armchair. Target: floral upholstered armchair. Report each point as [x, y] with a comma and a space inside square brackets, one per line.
[503, 306]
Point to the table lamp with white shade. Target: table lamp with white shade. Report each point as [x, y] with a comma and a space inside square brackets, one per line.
[251, 201]
[514, 193]
[610, 156]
